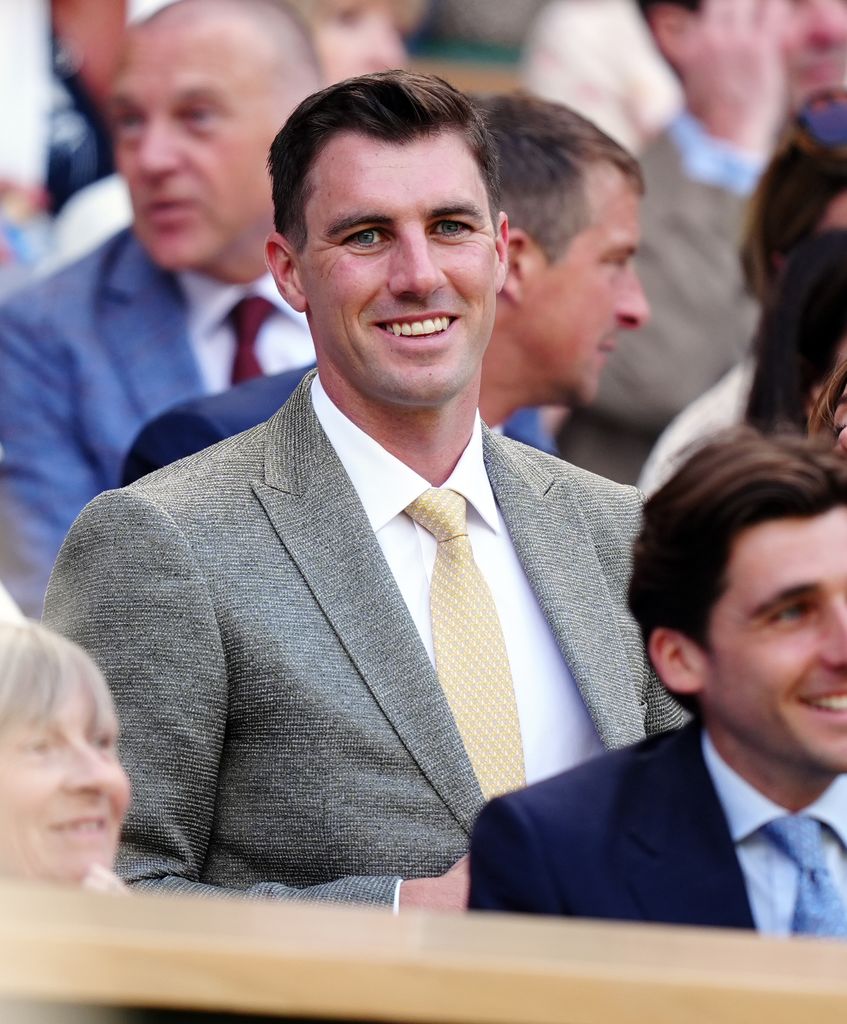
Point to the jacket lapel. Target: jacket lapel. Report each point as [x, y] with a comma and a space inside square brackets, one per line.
[144, 326]
[557, 552]
[676, 850]
[320, 521]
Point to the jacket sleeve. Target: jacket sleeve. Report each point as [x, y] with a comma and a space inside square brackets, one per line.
[47, 472]
[128, 588]
[508, 864]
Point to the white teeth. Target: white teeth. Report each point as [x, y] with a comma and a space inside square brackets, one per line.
[418, 328]
[834, 703]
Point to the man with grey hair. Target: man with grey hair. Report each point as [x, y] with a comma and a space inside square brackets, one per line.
[178, 306]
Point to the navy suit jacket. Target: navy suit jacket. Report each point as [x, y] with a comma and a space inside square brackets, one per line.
[636, 835]
[194, 425]
[86, 357]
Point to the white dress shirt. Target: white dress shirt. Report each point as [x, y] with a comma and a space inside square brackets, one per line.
[556, 729]
[770, 875]
[284, 341]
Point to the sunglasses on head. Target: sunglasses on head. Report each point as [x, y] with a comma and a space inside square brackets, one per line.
[823, 119]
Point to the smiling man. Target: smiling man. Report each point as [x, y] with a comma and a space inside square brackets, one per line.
[740, 819]
[330, 637]
[156, 315]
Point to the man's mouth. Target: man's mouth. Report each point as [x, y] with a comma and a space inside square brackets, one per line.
[418, 328]
[828, 701]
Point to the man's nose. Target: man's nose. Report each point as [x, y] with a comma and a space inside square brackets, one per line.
[828, 26]
[834, 650]
[157, 150]
[414, 267]
[633, 309]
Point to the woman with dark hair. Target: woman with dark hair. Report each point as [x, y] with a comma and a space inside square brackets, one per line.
[802, 334]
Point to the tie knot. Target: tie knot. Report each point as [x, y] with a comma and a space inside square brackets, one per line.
[441, 511]
[799, 837]
[249, 314]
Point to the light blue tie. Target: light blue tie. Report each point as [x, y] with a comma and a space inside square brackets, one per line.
[819, 909]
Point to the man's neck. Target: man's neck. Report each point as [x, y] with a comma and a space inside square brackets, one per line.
[428, 440]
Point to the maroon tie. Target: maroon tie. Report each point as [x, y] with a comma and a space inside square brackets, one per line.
[247, 318]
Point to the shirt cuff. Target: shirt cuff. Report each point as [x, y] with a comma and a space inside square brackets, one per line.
[396, 906]
[712, 161]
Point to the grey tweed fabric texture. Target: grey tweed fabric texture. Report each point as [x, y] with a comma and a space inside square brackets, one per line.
[282, 725]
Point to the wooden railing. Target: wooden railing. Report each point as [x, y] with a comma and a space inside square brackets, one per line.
[64, 949]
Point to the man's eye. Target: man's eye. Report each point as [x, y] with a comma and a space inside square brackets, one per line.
[125, 122]
[366, 237]
[451, 228]
[791, 612]
[198, 117]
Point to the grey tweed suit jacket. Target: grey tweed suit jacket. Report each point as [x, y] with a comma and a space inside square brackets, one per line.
[283, 727]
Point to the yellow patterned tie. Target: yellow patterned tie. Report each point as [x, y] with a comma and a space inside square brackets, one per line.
[470, 653]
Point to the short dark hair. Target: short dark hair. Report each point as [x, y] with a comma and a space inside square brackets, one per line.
[544, 150]
[738, 480]
[393, 106]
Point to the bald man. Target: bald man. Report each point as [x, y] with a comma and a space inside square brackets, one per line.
[149, 319]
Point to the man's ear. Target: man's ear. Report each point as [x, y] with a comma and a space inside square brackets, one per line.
[680, 662]
[282, 261]
[525, 260]
[670, 24]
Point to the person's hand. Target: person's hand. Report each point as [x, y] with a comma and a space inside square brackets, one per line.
[448, 892]
[100, 879]
[734, 72]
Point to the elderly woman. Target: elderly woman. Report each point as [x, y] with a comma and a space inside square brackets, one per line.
[63, 792]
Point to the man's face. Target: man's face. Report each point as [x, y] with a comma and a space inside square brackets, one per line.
[399, 272]
[815, 46]
[772, 680]
[195, 107]
[574, 306]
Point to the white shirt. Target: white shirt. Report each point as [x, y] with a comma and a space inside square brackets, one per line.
[8, 609]
[556, 729]
[284, 341]
[771, 877]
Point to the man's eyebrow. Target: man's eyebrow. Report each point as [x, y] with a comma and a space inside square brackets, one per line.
[190, 95]
[354, 220]
[789, 594]
[459, 209]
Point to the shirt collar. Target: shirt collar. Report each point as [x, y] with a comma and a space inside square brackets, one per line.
[210, 302]
[747, 810]
[386, 485]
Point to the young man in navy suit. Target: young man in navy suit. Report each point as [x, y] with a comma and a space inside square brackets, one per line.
[740, 819]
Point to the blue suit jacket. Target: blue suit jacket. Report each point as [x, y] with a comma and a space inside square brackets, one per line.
[193, 426]
[637, 835]
[86, 357]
